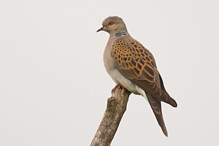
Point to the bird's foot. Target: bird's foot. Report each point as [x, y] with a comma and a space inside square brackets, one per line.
[123, 89]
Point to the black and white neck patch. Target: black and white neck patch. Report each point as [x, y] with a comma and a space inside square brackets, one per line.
[121, 34]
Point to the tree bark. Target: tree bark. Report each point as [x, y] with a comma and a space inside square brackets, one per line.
[116, 107]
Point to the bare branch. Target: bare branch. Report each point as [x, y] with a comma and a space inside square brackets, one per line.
[116, 107]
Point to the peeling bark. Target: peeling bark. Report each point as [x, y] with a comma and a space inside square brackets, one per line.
[116, 107]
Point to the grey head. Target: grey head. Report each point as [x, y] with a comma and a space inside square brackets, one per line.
[113, 25]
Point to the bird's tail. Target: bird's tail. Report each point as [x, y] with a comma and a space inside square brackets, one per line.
[156, 107]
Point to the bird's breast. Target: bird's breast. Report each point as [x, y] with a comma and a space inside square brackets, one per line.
[109, 62]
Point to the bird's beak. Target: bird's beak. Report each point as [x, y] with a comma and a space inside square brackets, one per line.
[100, 29]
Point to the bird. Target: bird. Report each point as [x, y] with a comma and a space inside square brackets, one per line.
[133, 67]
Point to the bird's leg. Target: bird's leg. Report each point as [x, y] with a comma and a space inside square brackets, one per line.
[115, 87]
[123, 89]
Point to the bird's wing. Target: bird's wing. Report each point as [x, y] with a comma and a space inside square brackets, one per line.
[137, 64]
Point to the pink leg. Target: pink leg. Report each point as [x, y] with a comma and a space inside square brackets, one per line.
[123, 89]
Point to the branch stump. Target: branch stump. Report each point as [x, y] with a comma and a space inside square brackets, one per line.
[116, 107]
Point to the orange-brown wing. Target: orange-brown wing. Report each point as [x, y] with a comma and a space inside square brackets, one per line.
[138, 65]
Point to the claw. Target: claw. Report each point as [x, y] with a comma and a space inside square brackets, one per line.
[123, 89]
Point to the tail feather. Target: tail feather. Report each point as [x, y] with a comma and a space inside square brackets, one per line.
[156, 107]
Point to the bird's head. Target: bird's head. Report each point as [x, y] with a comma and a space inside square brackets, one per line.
[113, 24]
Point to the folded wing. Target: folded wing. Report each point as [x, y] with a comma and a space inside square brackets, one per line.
[137, 64]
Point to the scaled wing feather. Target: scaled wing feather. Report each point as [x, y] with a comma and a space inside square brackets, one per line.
[137, 64]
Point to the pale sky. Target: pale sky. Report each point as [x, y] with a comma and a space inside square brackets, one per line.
[54, 87]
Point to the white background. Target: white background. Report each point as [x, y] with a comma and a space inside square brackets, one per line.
[54, 87]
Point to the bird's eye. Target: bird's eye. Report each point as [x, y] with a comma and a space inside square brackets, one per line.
[111, 23]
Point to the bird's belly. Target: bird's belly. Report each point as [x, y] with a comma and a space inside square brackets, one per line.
[126, 83]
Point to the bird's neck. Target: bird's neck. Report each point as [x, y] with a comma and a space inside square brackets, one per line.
[119, 33]
[123, 33]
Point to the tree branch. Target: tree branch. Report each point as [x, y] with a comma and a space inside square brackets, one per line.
[116, 107]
